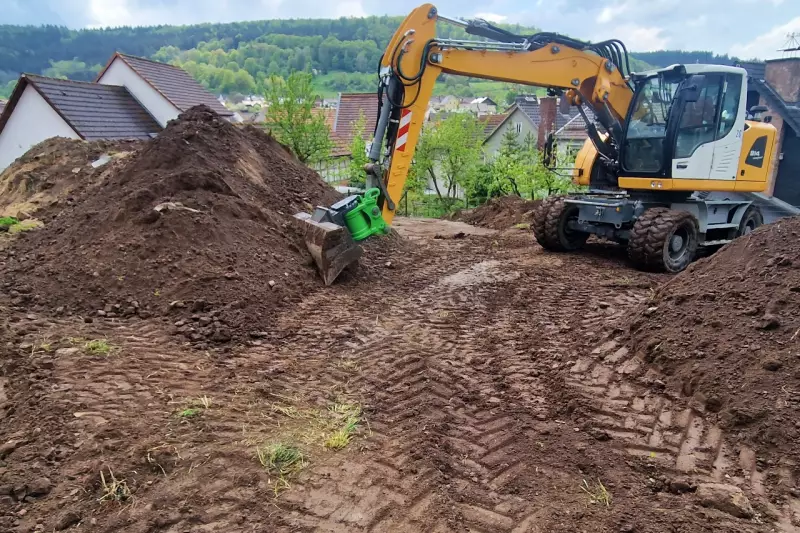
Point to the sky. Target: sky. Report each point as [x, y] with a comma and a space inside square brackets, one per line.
[744, 28]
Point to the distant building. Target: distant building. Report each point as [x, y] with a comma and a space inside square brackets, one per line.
[41, 108]
[132, 98]
[776, 84]
[531, 115]
[164, 90]
[349, 107]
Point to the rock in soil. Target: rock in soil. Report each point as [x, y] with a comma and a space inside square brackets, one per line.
[67, 520]
[726, 498]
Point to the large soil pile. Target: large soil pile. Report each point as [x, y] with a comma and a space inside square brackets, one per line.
[501, 213]
[725, 332]
[55, 169]
[198, 222]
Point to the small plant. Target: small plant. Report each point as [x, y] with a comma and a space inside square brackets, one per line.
[195, 408]
[25, 225]
[114, 489]
[281, 460]
[597, 493]
[6, 222]
[97, 347]
[350, 416]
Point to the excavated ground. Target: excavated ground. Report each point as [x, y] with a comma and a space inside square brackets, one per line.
[498, 395]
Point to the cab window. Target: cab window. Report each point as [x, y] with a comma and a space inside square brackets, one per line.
[700, 119]
[730, 104]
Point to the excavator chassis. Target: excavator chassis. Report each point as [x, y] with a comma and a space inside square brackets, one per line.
[662, 231]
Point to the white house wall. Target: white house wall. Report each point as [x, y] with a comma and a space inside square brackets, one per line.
[119, 73]
[518, 122]
[32, 122]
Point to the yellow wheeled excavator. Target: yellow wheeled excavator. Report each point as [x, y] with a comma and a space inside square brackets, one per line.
[658, 144]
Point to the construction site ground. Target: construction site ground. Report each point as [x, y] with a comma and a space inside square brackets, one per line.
[495, 391]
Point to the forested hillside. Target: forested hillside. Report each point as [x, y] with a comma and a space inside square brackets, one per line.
[237, 57]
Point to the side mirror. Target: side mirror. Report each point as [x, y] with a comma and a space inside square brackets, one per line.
[756, 109]
[549, 151]
[691, 91]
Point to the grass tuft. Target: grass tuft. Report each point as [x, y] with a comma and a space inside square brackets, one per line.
[97, 347]
[597, 493]
[349, 416]
[114, 489]
[281, 461]
[6, 222]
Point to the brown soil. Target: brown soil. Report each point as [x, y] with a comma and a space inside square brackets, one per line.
[725, 333]
[214, 252]
[501, 213]
[496, 391]
[53, 172]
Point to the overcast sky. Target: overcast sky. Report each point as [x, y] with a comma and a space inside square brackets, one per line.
[745, 28]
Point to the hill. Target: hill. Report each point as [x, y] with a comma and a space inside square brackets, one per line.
[237, 57]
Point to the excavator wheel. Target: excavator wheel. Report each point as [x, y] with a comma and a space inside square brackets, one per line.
[540, 219]
[751, 220]
[557, 234]
[663, 239]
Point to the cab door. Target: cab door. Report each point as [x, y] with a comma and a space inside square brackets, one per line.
[693, 149]
[728, 144]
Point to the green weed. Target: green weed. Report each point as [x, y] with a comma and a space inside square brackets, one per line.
[349, 415]
[97, 347]
[281, 461]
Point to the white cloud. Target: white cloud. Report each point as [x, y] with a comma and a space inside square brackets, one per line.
[766, 45]
[609, 13]
[491, 17]
[639, 38]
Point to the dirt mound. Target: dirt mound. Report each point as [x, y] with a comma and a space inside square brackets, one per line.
[198, 222]
[501, 213]
[725, 332]
[53, 170]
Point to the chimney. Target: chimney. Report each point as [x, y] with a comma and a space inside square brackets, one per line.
[548, 107]
[783, 75]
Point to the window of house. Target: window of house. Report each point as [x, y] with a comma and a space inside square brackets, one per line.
[519, 127]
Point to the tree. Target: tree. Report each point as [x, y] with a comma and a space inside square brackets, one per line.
[449, 153]
[358, 154]
[290, 118]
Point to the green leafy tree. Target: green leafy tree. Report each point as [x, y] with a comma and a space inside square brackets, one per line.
[7, 89]
[290, 118]
[358, 158]
[449, 153]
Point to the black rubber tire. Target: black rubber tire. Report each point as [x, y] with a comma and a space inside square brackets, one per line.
[751, 220]
[540, 219]
[558, 236]
[651, 239]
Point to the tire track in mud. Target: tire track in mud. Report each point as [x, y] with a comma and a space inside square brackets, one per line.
[457, 377]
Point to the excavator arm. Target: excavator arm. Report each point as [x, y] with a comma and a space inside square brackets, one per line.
[586, 74]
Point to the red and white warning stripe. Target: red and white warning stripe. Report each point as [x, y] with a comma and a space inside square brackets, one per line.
[402, 132]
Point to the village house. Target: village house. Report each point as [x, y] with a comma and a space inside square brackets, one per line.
[132, 98]
[531, 115]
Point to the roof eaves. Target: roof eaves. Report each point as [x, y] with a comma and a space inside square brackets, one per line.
[32, 82]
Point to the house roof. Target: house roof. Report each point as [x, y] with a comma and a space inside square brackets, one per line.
[790, 112]
[349, 109]
[94, 111]
[568, 125]
[491, 122]
[755, 69]
[174, 84]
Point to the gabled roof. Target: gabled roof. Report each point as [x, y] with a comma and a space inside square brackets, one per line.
[348, 111]
[491, 122]
[174, 84]
[789, 112]
[94, 111]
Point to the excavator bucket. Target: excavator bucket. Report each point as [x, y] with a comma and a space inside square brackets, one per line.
[330, 244]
